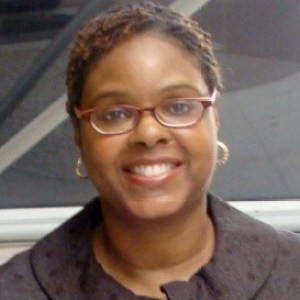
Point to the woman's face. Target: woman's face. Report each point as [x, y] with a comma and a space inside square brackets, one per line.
[143, 71]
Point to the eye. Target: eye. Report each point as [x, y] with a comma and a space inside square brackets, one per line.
[178, 107]
[114, 114]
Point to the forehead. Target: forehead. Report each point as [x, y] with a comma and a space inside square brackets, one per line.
[144, 63]
[136, 44]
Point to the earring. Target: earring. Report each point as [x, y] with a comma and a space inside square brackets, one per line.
[78, 165]
[222, 161]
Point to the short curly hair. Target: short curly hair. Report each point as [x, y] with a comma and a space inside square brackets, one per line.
[100, 34]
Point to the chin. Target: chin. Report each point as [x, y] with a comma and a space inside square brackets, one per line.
[158, 209]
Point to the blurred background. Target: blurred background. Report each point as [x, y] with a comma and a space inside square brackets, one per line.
[258, 45]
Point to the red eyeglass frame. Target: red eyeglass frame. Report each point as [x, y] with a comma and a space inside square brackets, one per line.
[205, 101]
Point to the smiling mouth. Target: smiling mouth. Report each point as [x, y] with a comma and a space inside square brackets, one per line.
[153, 170]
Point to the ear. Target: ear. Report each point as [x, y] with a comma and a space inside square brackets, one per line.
[77, 134]
[216, 117]
[216, 112]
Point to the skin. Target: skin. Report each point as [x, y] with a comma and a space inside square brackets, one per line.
[155, 229]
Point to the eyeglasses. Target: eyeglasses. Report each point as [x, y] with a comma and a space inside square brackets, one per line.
[122, 118]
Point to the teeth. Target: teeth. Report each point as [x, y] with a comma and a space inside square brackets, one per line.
[152, 171]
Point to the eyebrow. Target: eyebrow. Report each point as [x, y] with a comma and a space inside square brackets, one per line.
[114, 93]
[108, 94]
[182, 86]
[111, 94]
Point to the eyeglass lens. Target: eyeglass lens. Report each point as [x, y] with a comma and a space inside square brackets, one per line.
[122, 118]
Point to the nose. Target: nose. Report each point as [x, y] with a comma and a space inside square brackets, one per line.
[149, 132]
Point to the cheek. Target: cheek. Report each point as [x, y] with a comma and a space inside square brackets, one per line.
[210, 128]
[101, 154]
[201, 147]
[204, 151]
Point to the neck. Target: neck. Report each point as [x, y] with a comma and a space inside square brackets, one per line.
[157, 251]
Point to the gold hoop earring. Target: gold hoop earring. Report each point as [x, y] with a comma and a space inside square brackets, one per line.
[225, 155]
[78, 165]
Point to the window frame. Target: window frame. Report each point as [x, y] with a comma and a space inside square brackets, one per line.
[20, 228]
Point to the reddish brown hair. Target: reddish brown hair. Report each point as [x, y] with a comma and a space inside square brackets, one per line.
[100, 34]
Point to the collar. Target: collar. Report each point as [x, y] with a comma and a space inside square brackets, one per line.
[245, 253]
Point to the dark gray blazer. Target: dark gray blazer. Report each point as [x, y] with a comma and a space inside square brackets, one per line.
[252, 261]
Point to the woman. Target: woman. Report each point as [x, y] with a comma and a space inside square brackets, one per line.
[142, 90]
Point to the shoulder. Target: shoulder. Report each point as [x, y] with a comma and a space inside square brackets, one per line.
[17, 281]
[266, 261]
[289, 246]
[287, 265]
[24, 276]
[283, 281]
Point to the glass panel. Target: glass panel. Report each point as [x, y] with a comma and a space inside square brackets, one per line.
[258, 45]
